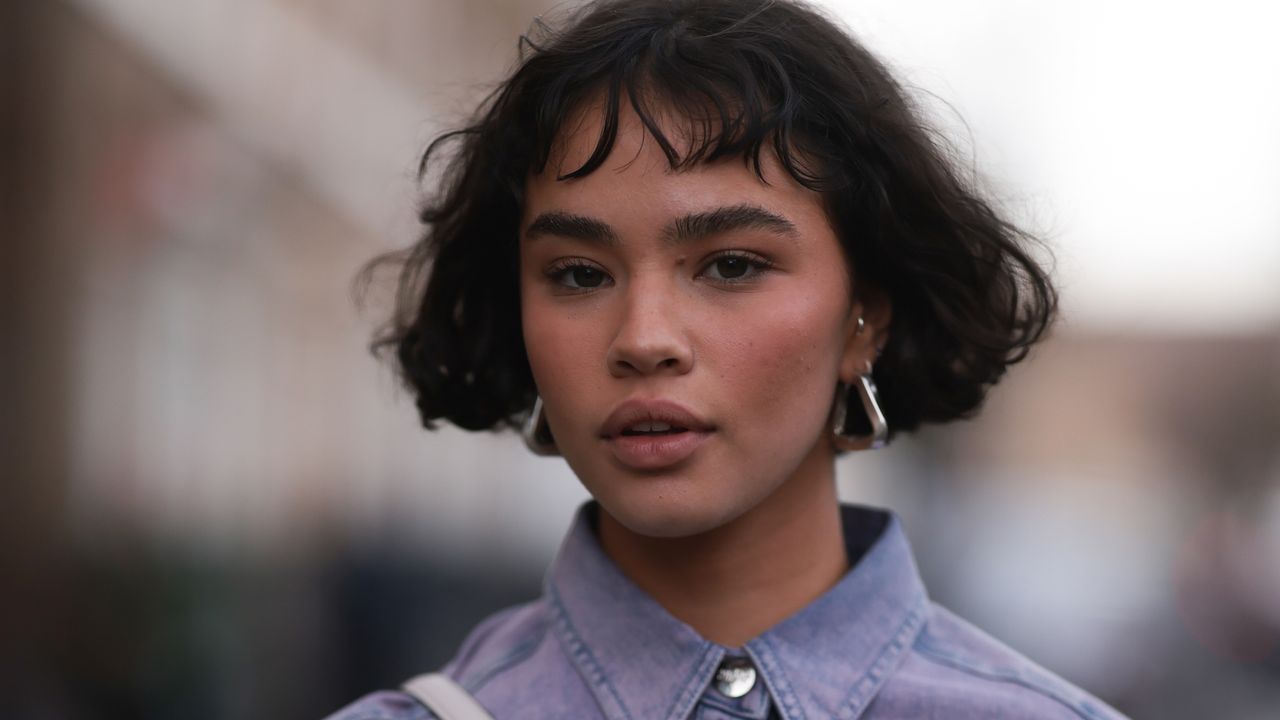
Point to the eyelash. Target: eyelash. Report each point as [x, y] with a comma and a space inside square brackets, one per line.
[759, 266]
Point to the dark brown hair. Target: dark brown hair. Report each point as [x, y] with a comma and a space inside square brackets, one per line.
[746, 76]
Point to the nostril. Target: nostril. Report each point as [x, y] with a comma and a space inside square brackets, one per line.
[627, 358]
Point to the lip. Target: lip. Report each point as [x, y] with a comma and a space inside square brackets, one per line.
[651, 452]
[655, 452]
[657, 410]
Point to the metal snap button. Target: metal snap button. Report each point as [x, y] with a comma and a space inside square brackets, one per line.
[735, 677]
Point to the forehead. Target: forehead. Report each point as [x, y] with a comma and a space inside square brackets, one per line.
[583, 133]
[637, 171]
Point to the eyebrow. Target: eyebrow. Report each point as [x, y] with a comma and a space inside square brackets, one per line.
[686, 228]
[578, 227]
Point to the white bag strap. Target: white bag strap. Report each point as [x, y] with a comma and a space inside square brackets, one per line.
[445, 697]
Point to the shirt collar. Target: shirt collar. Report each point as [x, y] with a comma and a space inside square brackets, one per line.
[827, 660]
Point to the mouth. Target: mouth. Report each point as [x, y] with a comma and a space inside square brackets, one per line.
[649, 429]
[656, 450]
[654, 434]
[639, 417]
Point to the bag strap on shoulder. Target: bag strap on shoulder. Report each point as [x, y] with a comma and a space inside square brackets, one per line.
[446, 698]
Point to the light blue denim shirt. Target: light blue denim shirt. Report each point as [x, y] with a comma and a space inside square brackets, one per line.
[873, 646]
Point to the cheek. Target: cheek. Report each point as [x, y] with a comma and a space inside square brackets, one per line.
[562, 350]
[783, 359]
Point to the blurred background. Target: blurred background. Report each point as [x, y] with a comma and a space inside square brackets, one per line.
[216, 504]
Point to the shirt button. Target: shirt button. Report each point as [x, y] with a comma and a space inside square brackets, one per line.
[735, 677]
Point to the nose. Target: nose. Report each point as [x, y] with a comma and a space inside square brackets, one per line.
[650, 338]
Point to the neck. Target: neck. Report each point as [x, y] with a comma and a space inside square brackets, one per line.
[735, 581]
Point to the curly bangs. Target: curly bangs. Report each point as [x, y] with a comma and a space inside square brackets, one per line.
[744, 76]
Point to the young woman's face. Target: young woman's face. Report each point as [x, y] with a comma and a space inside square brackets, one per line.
[706, 290]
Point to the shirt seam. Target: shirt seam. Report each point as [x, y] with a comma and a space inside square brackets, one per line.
[518, 654]
[476, 639]
[766, 657]
[863, 690]
[582, 654]
[1009, 675]
[689, 696]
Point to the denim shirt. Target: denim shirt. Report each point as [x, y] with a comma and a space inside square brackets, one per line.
[873, 646]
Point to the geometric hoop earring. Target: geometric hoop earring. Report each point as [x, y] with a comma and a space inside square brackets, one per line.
[878, 428]
[536, 433]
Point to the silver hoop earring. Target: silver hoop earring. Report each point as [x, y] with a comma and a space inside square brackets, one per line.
[536, 432]
[870, 397]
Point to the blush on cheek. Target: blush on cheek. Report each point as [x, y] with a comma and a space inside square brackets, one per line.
[795, 350]
[541, 338]
[566, 356]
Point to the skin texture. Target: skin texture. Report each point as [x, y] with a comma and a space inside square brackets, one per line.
[745, 531]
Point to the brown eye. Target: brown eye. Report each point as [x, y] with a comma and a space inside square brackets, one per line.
[736, 267]
[587, 276]
[575, 274]
[732, 267]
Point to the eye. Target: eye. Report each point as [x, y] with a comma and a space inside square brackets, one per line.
[735, 266]
[578, 275]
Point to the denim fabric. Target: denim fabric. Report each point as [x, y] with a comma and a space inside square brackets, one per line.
[873, 646]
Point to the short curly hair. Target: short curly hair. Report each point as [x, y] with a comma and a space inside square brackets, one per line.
[746, 76]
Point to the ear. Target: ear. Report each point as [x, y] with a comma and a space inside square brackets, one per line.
[863, 345]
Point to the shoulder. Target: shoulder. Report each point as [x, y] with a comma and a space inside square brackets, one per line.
[506, 638]
[497, 643]
[384, 705]
[957, 666]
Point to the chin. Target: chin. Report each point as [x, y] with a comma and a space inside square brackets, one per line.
[660, 509]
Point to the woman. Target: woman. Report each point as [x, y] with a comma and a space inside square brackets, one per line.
[699, 248]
